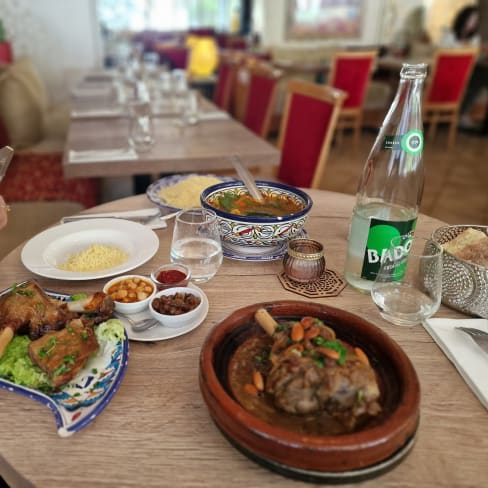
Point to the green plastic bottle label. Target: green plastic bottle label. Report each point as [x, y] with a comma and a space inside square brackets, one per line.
[412, 142]
[380, 234]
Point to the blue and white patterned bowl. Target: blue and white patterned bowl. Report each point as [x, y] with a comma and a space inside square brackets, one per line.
[254, 231]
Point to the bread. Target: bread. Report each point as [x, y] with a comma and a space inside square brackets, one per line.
[471, 245]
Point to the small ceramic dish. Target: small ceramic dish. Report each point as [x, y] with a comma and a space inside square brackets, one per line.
[171, 275]
[181, 319]
[122, 288]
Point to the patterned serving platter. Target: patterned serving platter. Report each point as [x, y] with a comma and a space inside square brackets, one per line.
[81, 400]
[154, 188]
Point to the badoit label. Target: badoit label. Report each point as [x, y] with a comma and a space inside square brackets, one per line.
[380, 234]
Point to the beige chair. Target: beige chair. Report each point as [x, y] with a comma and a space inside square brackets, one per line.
[31, 122]
[27, 219]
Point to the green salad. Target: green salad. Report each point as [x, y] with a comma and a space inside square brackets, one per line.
[17, 366]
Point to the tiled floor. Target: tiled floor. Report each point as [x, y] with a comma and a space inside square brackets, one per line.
[456, 181]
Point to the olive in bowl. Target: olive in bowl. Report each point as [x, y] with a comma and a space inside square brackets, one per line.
[176, 307]
[171, 275]
[130, 293]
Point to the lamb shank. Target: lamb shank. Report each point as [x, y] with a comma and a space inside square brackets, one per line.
[312, 370]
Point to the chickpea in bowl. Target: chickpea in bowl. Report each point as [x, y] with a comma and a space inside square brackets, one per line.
[130, 293]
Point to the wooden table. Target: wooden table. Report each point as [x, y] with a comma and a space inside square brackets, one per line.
[205, 146]
[157, 431]
[319, 68]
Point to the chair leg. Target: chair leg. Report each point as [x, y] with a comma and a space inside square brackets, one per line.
[357, 130]
[339, 133]
[451, 138]
[433, 126]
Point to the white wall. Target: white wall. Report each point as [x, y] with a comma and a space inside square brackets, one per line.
[61, 37]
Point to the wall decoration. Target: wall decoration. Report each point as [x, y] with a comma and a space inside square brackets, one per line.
[322, 19]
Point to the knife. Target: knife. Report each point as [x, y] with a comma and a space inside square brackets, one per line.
[141, 216]
[479, 336]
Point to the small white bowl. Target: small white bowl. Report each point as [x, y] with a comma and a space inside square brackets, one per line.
[175, 321]
[131, 307]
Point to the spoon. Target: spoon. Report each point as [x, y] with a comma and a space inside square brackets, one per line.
[246, 178]
[137, 326]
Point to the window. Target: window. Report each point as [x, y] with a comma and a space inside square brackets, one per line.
[172, 15]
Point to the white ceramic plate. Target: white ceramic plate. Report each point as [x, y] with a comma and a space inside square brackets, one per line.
[160, 332]
[47, 250]
[153, 189]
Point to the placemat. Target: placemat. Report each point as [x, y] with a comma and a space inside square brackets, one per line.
[330, 284]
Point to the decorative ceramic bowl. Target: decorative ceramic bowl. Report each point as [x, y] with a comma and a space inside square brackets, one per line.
[180, 320]
[136, 305]
[464, 284]
[258, 231]
[372, 449]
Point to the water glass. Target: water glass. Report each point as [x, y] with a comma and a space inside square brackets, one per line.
[141, 132]
[196, 243]
[407, 288]
[189, 108]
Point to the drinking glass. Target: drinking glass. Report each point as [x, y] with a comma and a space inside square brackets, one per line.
[407, 288]
[141, 133]
[196, 243]
[189, 108]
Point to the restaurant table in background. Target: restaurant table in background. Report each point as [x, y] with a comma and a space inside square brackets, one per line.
[157, 431]
[202, 147]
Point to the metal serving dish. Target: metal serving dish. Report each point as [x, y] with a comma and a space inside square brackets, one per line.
[464, 284]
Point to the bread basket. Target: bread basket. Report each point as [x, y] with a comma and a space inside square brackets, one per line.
[464, 284]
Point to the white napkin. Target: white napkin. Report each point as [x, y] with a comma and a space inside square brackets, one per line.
[154, 223]
[117, 154]
[95, 113]
[88, 92]
[468, 358]
[218, 115]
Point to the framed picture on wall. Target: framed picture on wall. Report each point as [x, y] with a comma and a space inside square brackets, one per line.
[319, 19]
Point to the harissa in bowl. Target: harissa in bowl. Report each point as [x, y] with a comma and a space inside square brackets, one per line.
[296, 446]
[243, 223]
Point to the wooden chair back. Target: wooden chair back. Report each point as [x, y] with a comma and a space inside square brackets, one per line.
[225, 83]
[256, 92]
[446, 84]
[351, 72]
[309, 120]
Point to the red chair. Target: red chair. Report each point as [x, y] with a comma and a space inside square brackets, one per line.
[225, 84]
[309, 120]
[6, 55]
[351, 72]
[175, 56]
[445, 89]
[39, 176]
[260, 89]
